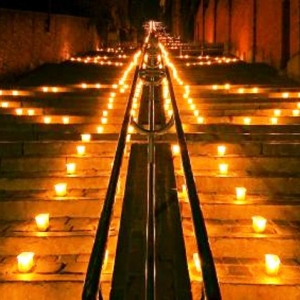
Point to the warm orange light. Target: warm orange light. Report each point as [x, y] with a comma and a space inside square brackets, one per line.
[200, 120]
[296, 112]
[42, 222]
[71, 168]
[241, 90]
[80, 150]
[47, 120]
[105, 113]
[240, 193]
[25, 261]
[100, 129]
[4, 104]
[104, 120]
[259, 224]
[277, 112]
[86, 137]
[66, 120]
[223, 169]
[197, 262]
[274, 120]
[221, 150]
[272, 264]
[60, 189]
[196, 113]
[175, 150]
[247, 121]
[285, 95]
[30, 112]
[19, 111]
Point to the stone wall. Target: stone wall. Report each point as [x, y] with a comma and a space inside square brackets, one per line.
[29, 39]
[255, 30]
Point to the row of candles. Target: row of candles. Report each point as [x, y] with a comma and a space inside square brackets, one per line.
[272, 261]
[26, 259]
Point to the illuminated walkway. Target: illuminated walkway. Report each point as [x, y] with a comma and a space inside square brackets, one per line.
[247, 109]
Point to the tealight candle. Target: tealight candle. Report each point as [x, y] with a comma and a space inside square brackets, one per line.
[221, 150]
[196, 113]
[130, 129]
[86, 137]
[247, 121]
[100, 129]
[45, 89]
[19, 111]
[105, 113]
[4, 104]
[30, 112]
[110, 106]
[197, 262]
[285, 95]
[274, 120]
[175, 150]
[277, 112]
[259, 223]
[42, 222]
[71, 168]
[60, 189]
[15, 93]
[104, 120]
[66, 120]
[272, 264]
[296, 112]
[200, 120]
[255, 90]
[80, 150]
[223, 169]
[240, 193]
[47, 120]
[25, 261]
[241, 90]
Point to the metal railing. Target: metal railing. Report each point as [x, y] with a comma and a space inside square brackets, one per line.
[210, 280]
[92, 280]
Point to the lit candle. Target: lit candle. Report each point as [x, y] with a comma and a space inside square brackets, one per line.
[104, 120]
[227, 86]
[42, 222]
[60, 189]
[128, 137]
[223, 169]
[66, 120]
[277, 112]
[259, 223]
[240, 193]
[296, 112]
[110, 106]
[15, 93]
[71, 168]
[19, 111]
[25, 261]
[130, 129]
[200, 120]
[272, 263]
[4, 104]
[247, 121]
[196, 113]
[274, 120]
[241, 90]
[45, 89]
[80, 150]
[47, 120]
[285, 95]
[54, 89]
[175, 150]
[255, 90]
[100, 129]
[84, 85]
[86, 137]
[197, 262]
[221, 150]
[105, 113]
[30, 112]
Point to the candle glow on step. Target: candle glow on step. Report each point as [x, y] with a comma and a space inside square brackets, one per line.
[80, 149]
[71, 168]
[200, 120]
[296, 112]
[240, 193]
[103, 120]
[259, 224]
[197, 262]
[47, 120]
[42, 222]
[175, 150]
[100, 129]
[221, 150]
[274, 120]
[25, 261]
[247, 121]
[85, 137]
[66, 120]
[4, 104]
[30, 112]
[60, 189]
[277, 112]
[272, 264]
[19, 111]
[223, 169]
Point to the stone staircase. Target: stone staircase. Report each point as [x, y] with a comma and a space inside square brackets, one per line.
[40, 128]
[262, 157]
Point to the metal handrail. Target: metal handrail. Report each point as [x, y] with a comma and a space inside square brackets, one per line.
[91, 284]
[210, 280]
